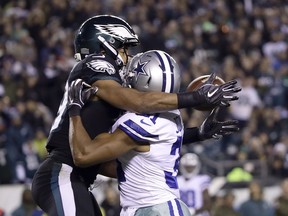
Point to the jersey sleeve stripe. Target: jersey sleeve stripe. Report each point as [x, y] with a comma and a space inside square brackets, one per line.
[132, 135]
[139, 130]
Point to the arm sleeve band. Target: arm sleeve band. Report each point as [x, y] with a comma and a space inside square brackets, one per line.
[191, 135]
[188, 99]
[74, 110]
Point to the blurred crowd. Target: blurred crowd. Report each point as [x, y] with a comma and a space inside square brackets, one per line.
[245, 40]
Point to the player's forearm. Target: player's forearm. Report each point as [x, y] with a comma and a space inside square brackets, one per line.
[104, 147]
[153, 102]
[83, 148]
[145, 102]
[78, 138]
[139, 102]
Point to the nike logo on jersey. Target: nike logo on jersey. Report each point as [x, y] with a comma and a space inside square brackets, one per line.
[210, 94]
[101, 66]
[143, 122]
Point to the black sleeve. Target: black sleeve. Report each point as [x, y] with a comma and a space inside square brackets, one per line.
[191, 135]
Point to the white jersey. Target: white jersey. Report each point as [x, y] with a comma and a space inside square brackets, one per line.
[149, 178]
[191, 190]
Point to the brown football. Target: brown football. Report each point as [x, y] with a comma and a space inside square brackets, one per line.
[198, 82]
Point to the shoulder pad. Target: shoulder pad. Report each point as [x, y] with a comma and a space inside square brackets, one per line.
[100, 63]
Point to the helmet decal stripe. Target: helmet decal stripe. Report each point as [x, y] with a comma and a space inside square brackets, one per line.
[162, 66]
[168, 78]
[172, 73]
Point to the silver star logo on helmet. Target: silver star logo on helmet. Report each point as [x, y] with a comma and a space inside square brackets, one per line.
[140, 70]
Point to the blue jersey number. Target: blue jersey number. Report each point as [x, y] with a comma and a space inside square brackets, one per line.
[171, 177]
[188, 197]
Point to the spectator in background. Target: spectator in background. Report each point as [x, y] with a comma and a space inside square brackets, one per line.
[226, 208]
[32, 160]
[27, 206]
[39, 143]
[256, 205]
[279, 159]
[243, 111]
[248, 100]
[281, 203]
[239, 174]
[17, 135]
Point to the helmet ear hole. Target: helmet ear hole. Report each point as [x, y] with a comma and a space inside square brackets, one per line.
[112, 40]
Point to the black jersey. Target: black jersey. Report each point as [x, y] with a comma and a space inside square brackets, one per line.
[97, 116]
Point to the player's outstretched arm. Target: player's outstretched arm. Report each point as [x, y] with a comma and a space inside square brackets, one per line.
[151, 102]
[104, 147]
[133, 100]
[210, 128]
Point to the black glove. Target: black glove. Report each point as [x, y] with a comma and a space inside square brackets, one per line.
[211, 128]
[208, 96]
[78, 93]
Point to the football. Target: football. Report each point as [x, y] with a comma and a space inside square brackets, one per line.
[198, 82]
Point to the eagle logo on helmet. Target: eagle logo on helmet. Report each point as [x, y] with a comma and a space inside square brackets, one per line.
[118, 31]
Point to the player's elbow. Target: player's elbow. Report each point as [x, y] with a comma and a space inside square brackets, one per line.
[80, 160]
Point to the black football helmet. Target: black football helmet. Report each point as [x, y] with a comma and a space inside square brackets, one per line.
[101, 29]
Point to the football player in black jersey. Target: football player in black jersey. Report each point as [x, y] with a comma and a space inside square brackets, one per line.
[101, 44]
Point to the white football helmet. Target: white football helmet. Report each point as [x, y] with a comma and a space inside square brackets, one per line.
[190, 165]
[154, 70]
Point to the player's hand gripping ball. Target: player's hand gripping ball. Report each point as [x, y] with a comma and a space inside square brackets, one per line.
[200, 81]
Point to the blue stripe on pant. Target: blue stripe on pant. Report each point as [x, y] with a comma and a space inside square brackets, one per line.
[55, 189]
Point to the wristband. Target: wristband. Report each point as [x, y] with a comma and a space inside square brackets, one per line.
[188, 99]
[191, 135]
[74, 110]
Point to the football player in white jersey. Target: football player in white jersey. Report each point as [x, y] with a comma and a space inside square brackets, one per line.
[194, 186]
[146, 146]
